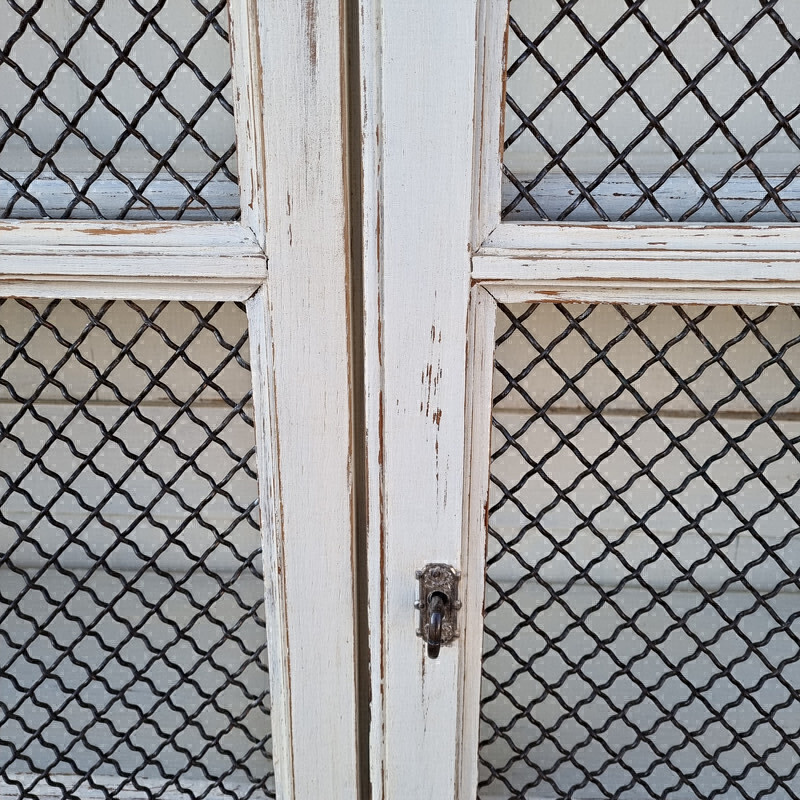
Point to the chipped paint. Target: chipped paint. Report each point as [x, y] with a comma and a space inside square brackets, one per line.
[310, 12]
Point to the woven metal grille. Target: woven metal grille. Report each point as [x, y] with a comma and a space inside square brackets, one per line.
[643, 110]
[132, 634]
[116, 110]
[642, 632]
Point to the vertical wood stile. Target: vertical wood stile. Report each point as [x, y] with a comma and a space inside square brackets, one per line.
[489, 108]
[307, 242]
[480, 370]
[272, 536]
[248, 102]
[419, 63]
[370, 59]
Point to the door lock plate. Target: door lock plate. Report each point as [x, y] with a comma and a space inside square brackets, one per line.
[438, 605]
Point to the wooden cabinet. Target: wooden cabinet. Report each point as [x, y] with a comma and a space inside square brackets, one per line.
[518, 297]
[638, 501]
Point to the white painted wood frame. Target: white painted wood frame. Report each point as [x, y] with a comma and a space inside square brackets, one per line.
[288, 83]
[437, 260]
[418, 62]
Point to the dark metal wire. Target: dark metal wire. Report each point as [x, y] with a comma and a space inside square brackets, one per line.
[132, 634]
[212, 94]
[631, 86]
[642, 663]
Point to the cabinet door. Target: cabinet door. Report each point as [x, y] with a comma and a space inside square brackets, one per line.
[582, 374]
[175, 458]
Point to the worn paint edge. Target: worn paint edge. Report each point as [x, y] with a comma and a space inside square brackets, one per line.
[102, 288]
[477, 417]
[272, 534]
[640, 292]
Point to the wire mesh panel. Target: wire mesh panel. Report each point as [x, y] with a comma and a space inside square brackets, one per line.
[649, 110]
[642, 631]
[116, 109]
[132, 634]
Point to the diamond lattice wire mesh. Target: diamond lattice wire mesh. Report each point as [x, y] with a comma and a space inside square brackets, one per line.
[642, 632]
[644, 110]
[132, 634]
[116, 109]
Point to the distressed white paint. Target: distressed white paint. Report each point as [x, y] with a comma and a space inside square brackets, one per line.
[131, 260]
[603, 269]
[126, 288]
[159, 240]
[418, 61]
[480, 368]
[273, 538]
[487, 179]
[302, 51]
[713, 241]
[734, 254]
[249, 108]
[372, 201]
[636, 292]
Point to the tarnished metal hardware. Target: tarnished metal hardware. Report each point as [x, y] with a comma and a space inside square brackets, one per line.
[438, 606]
